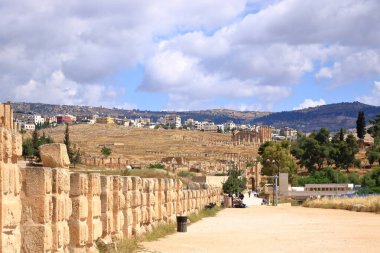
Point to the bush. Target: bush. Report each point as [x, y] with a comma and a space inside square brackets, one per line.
[186, 174]
[371, 179]
[156, 166]
[372, 190]
[353, 178]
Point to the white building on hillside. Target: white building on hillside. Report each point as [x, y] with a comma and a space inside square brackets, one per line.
[38, 120]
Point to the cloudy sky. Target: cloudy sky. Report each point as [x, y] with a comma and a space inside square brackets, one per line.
[184, 55]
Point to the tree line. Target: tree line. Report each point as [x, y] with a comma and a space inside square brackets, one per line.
[320, 153]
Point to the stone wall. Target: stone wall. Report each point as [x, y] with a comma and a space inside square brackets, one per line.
[52, 210]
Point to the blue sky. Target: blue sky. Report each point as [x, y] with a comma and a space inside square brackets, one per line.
[175, 55]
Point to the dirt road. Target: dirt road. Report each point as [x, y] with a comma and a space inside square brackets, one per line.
[283, 229]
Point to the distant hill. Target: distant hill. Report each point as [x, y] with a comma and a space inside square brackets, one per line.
[217, 115]
[332, 116]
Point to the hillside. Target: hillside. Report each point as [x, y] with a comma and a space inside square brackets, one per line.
[332, 116]
[218, 115]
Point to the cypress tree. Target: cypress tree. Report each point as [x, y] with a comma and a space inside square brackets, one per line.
[360, 125]
[67, 142]
[341, 134]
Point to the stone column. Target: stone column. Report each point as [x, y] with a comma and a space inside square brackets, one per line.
[62, 209]
[78, 219]
[118, 206]
[94, 222]
[106, 198]
[136, 206]
[37, 210]
[152, 218]
[127, 210]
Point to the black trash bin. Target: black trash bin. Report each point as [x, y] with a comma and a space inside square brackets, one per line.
[181, 223]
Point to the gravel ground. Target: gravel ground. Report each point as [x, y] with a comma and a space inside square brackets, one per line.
[277, 229]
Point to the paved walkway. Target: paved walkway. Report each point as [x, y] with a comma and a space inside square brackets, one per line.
[277, 229]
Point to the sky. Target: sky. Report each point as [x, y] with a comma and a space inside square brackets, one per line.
[248, 55]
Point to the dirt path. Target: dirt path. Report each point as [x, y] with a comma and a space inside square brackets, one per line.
[282, 229]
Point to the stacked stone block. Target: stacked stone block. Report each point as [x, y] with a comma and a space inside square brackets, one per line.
[106, 198]
[136, 203]
[127, 210]
[94, 222]
[78, 219]
[10, 186]
[37, 210]
[118, 207]
[62, 209]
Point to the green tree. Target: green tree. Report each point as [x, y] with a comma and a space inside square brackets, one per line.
[106, 151]
[368, 181]
[235, 183]
[373, 153]
[35, 138]
[346, 150]
[27, 147]
[324, 176]
[67, 142]
[374, 130]
[77, 157]
[30, 146]
[342, 132]
[354, 178]
[314, 151]
[360, 125]
[276, 157]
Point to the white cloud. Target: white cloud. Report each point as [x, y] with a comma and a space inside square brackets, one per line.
[193, 52]
[310, 103]
[374, 98]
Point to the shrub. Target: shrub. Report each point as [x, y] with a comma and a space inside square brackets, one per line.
[186, 174]
[156, 166]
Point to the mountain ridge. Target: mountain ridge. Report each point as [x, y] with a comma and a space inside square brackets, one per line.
[333, 116]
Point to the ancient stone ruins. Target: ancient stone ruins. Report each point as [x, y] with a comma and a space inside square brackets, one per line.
[47, 209]
[257, 136]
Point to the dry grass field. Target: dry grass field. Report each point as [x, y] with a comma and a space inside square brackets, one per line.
[134, 144]
[359, 204]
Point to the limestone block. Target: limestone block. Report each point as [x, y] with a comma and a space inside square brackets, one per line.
[11, 214]
[79, 208]
[36, 238]
[97, 228]
[7, 145]
[38, 181]
[107, 204]
[16, 145]
[10, 241]
[136, 183]
[54, 155]
[94, 184]
[61, 181]
[95, 212]
[60, 236]
[5, 178]
[96, 206]
[78, 233]
[78, 184]
[41, 208]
